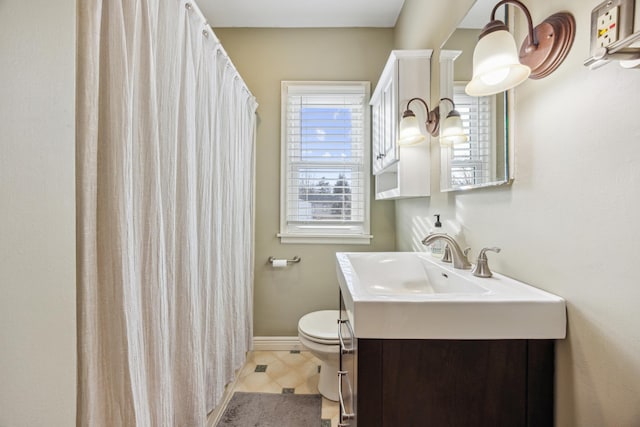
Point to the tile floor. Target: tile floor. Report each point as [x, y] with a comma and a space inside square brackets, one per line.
[285, 372]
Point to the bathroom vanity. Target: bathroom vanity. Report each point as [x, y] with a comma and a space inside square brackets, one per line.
[446, 367]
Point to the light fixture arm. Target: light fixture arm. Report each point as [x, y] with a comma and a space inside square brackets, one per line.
[533, 41]
[432, 118]
[423, 103]
[453, 104]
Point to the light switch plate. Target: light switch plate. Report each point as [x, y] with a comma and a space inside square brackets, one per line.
[611, 20]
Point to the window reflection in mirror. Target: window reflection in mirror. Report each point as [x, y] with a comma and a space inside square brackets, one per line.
[485, 159]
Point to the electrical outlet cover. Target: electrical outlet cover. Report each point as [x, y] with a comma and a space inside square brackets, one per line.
[608, 27]
[611, 20]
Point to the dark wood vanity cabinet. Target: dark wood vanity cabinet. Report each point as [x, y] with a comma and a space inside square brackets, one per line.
[466, 383]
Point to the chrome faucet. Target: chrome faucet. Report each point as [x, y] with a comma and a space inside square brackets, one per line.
[459, 257]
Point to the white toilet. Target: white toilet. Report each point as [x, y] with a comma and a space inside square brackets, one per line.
[318, 333]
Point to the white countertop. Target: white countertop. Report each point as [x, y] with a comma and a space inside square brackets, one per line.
[412, 295]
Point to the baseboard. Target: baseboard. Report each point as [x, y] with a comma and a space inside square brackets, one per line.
[276, 344]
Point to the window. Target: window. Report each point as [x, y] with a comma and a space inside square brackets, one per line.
[325, 169]
[474, 162]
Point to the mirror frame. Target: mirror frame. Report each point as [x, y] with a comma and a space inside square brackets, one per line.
[447, 59]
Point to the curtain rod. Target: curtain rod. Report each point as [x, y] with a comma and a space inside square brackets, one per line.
[194, 6]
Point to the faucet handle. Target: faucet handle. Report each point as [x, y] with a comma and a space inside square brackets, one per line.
[481, 268]
[446, 257]
[483, 251]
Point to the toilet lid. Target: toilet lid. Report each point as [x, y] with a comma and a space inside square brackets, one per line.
[320, 324]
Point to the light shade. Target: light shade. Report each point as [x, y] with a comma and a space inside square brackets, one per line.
[496, 65]
[410, 131]
[452, 130]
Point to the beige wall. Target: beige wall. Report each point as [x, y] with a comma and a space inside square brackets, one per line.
[463, 39]
[569, 223]
[37, 214]
[264, 57]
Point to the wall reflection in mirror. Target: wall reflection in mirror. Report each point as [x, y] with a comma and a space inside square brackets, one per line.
[483, 160]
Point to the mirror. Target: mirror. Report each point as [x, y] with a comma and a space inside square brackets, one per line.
[485, 160]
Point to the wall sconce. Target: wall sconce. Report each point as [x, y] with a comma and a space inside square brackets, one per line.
[452, 129]
[498, 67]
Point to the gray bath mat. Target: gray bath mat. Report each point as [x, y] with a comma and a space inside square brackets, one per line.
[272, 410]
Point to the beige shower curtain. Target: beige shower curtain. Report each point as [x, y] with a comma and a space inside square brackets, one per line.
[165, 146]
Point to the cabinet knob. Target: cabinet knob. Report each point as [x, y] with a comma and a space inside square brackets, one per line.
[380, 156]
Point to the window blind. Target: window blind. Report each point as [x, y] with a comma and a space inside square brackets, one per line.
[326, 166]
[471, 162]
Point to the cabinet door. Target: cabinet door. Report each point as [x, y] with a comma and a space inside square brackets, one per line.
[377, 130]
[389, 101]
[455, 383]
[384, 112]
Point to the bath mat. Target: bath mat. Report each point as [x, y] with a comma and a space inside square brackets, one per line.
[272, 410]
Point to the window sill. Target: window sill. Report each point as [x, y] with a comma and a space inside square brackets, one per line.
[325, 239]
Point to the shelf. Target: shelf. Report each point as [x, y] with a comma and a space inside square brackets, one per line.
[618, 51]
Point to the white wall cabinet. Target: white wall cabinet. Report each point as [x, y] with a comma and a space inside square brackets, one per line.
[400, 172]
[384, 109]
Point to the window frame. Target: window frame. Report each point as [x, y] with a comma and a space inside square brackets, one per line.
[325, 233]
[473, 163]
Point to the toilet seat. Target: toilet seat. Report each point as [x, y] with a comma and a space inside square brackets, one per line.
[320, 327]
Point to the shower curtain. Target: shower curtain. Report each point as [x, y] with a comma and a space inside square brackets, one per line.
[165, 161]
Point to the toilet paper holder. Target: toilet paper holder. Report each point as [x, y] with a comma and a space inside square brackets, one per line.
[293, 260]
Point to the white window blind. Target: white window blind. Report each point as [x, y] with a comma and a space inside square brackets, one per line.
[473, 162]
[325, 173]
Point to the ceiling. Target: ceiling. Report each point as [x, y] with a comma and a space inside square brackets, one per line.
[480, 14]
[301, 13]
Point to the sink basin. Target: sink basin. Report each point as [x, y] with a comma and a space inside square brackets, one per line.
[399, 273]
[412, 295]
